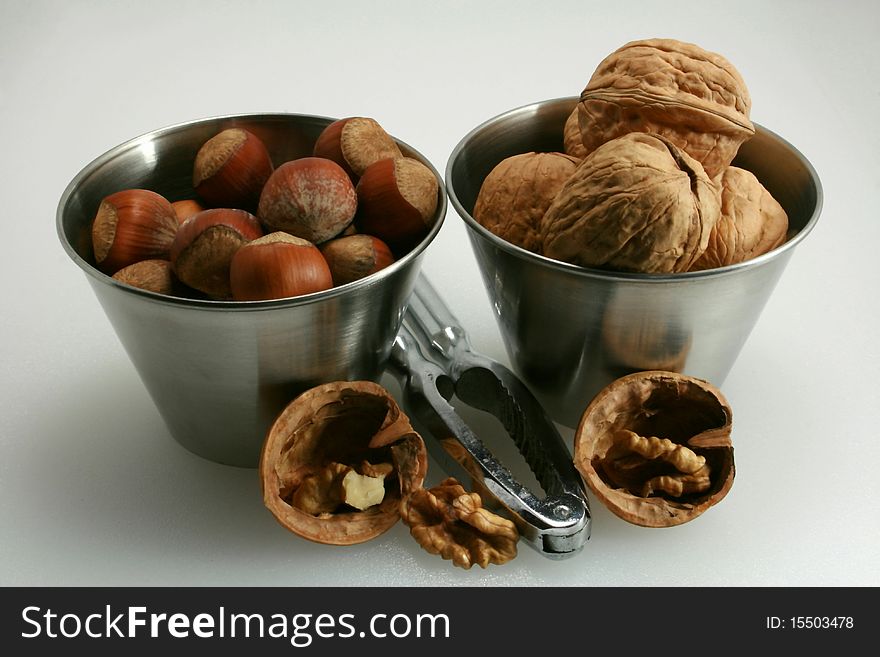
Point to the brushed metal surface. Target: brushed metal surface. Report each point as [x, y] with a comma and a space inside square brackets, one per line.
[220, 371]
[568, 330]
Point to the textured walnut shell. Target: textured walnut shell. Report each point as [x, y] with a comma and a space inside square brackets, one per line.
[683, 409]
[572, 143]
[695, 98]
[348, 423]
[517, 192]
[752, 222]
[637, 203]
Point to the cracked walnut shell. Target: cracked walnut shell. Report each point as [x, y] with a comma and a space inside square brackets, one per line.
[518, 191]
[637, 203]
[693, 97]
[318, 441]
[449, 521]
[655, 447]
[752, 222]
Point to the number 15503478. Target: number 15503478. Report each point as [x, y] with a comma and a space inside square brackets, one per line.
[810, 623]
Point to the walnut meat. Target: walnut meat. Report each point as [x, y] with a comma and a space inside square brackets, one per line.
[693, 97]
[655, 447]
[449, 521]
[752, 222]
[637, 203]
[338, 460]
[517, 192]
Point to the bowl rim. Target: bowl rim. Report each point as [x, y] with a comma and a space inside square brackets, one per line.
[226, 305]
[591, 272]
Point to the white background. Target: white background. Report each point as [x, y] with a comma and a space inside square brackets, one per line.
[93, 490]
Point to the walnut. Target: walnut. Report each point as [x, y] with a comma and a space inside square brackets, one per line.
[517, 192]
[637, 203]
[572, 143]
[335, 484]
[655, 447]
[449, 521]
[644, 465]
[752, 222]
[693, 97]
[338, 460]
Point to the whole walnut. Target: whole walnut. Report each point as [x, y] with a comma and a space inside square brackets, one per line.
[637, 203]
[572, 143]
[752, 222]
[517, 192]
[693, 97]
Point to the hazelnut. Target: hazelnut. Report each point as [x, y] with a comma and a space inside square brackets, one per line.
[276, 266]
[397, 199]
[186, 208]
[353, 257]
[231, 168]
[355, 143]
[151, 275]
[205, 244]
[312, 198]
[132, 225]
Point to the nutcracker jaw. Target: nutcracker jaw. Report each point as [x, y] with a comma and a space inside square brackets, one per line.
[433, 358]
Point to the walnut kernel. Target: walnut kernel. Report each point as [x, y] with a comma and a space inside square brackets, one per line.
[318, 441]
[448, 521]
[655, 447]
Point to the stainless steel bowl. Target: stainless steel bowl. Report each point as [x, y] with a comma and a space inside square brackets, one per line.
[220, 371]
[569, 330]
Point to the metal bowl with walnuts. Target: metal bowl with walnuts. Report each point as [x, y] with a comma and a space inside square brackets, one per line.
[641, 181]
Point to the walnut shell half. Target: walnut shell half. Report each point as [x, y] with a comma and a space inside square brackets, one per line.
[637, 203]
[752, 222]
[518, 191]
[691, 96]
[655, 447]
[325, 433]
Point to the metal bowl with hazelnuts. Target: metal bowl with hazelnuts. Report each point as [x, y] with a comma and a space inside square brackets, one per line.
[243, 259]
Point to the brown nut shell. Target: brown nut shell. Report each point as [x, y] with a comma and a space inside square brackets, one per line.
[277, 266]
[231, 168]
[151, 275]
[132, 225]
[655, 447]
[397, 201]
[637, 203]
[311, 197]
[348, 423]
[355, 143]
[354, 257]
[693, 97]
[752, 222]
[517, 192]
[204, 245]
[572, 143]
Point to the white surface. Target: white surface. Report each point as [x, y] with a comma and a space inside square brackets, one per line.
[94, 489]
